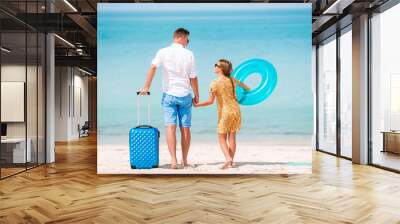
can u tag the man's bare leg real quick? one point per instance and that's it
(185, 144)
(171, 142)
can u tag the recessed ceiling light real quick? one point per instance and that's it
(5, 50)
(64, 40)
(70, 5)
(338, 6)
(84, 71)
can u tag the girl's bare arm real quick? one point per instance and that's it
(241, 84)
(207, 102)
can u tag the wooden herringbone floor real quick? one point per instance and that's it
(70, 191)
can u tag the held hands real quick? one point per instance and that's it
(195, 101)
(205, 103)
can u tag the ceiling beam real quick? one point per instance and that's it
(81, 61)
(86, 27)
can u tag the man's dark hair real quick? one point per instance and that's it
(181, 32)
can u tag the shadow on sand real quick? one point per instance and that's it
(239, 164)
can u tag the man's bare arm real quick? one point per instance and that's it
(195, 86)
(149, 79)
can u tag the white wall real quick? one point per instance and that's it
(33, 127)
(62, 82)
(80, 115)
(12, 73)
(71, 87)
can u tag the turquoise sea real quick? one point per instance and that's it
(129, 35)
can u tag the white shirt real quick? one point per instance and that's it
(178, 66)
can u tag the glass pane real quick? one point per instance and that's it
(41, 98)
(13, 89)
(346, 93)
(327, 96)
(386, 89)
(31, 100)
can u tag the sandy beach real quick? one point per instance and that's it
(206, 158)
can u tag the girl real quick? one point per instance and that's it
(229, 116)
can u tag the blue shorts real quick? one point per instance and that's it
(177, 108)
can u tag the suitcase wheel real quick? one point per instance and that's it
(133, 167)
(155, 166)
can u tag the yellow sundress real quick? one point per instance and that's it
(229, 116)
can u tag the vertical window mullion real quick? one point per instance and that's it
(317, 97)
(37, 90)
(369, 90)
(338, 81)
(26, 86)
(0, 93)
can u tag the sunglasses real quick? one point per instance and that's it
(216, 65)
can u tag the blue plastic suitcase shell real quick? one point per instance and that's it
(144, 147)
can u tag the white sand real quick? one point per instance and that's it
(251, 158)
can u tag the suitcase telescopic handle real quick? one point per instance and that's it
(144, 126)
(148, 126)
(142, 93)
(139, 94)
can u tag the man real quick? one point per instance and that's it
(179, 80)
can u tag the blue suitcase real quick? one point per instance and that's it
(144, 144)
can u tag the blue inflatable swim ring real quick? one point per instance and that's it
(267, 85)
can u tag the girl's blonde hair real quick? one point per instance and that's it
(226, 67)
